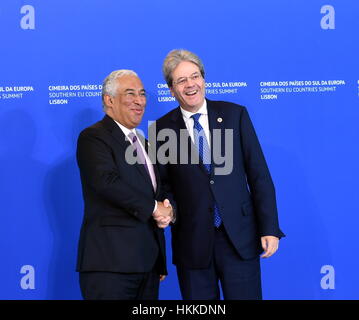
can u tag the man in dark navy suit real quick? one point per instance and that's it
(121, 253)
(226, 213)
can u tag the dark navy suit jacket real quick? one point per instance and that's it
(246, 197)
(118, 233)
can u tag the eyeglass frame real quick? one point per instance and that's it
(183, 80)
(130, 94)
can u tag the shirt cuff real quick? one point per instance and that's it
(173, 220)
(154, 210)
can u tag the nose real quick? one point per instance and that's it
(139, 100)
(190, 82)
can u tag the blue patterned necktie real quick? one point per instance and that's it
(205, 155)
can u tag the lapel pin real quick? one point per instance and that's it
(219, 120)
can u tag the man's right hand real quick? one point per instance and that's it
(163, 214)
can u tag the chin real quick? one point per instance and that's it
(195, 105)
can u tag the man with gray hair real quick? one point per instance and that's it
(223, 220)
(121, 251)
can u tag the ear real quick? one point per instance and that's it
(108, 100)
(171, 90)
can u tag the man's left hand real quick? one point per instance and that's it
(270, 245)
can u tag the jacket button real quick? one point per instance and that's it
(211, 182)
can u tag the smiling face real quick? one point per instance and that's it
(188, 86)
(128, 105)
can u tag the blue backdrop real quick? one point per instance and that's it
(293, 64)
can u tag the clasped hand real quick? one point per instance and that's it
(163, 214)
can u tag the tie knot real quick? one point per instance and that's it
(133, 137)
(196, 116)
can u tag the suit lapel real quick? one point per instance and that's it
(215, 122)
(116, 132)
(177, 118)
(124, 143)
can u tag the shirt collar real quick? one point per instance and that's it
(125, 130)
(202, 110)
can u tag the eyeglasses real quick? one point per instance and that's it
(183, 80)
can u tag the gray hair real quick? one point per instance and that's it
(174, 58)
(110, 84)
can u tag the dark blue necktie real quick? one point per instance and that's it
(205, 154)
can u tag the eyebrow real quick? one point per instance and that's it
(133, 90)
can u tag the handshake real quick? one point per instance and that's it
(163, 215)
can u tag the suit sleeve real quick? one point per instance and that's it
(99, 171)
(259, 179)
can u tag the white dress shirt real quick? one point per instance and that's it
(203, 120)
